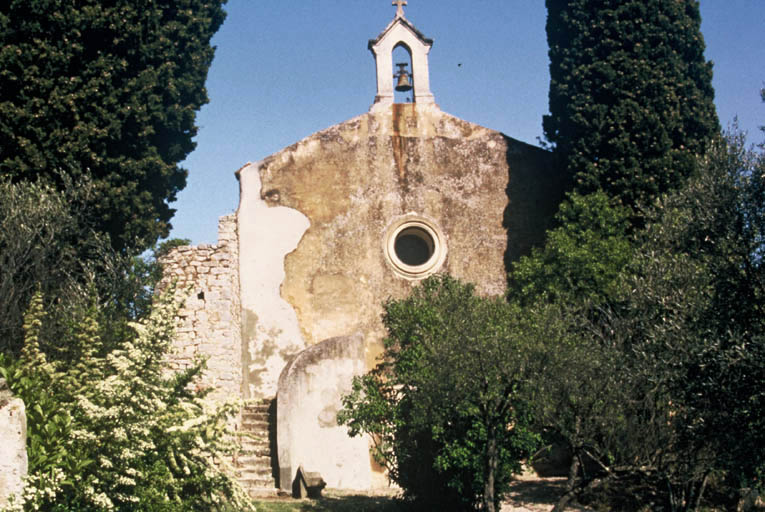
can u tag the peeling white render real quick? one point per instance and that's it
(270, 329)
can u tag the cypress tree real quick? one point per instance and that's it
(106, 90)
(631, 98)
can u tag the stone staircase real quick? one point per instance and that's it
(254, 463)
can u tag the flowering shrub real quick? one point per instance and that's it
(111, 429)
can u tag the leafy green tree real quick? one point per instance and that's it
(611, 389)
(106, 91)
(631, 99)
(46, 243)
(718, 223)
(446, 404)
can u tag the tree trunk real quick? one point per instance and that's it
(492, 457)
(698, 488)
(573, 471)
(563, 501)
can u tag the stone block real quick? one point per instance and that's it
(13, 441)
(307, 484)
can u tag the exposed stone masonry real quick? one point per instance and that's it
(208, 325)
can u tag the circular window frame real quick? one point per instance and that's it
(417, 226)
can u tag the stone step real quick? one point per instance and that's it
(262, 404)
(256, 408)
(257, 451)
(254, 460)
(258, 483)
(254, 426)
(253, 439)
(254, 471)
(243, 474)
(254, 416)
(251, 434)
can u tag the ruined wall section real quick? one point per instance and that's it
(207, 280)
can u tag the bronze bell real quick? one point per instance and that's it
(404, 84)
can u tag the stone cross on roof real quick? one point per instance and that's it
(400, 10)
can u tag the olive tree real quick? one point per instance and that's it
(446, 404)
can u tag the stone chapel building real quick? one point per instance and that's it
(287, 306)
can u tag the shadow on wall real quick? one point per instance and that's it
(535, 188)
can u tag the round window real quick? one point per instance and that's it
(415, 247)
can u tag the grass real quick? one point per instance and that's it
(331, 503)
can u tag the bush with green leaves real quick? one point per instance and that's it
(45, 243)
(717, 224)
(110, 428)
(445, 406)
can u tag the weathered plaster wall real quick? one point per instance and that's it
(354, 179)
(13, 442)
(313, 220)
(310, 392)
(299, 276)
(207, 280)
(270, 330)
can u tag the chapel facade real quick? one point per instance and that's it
(287, 306)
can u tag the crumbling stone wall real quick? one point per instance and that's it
(207, 279)
(13, 444)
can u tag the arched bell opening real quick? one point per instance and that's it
(403, 78)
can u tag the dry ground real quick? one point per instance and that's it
(530, 493)
(527, 494)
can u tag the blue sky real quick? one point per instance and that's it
(285, 69)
